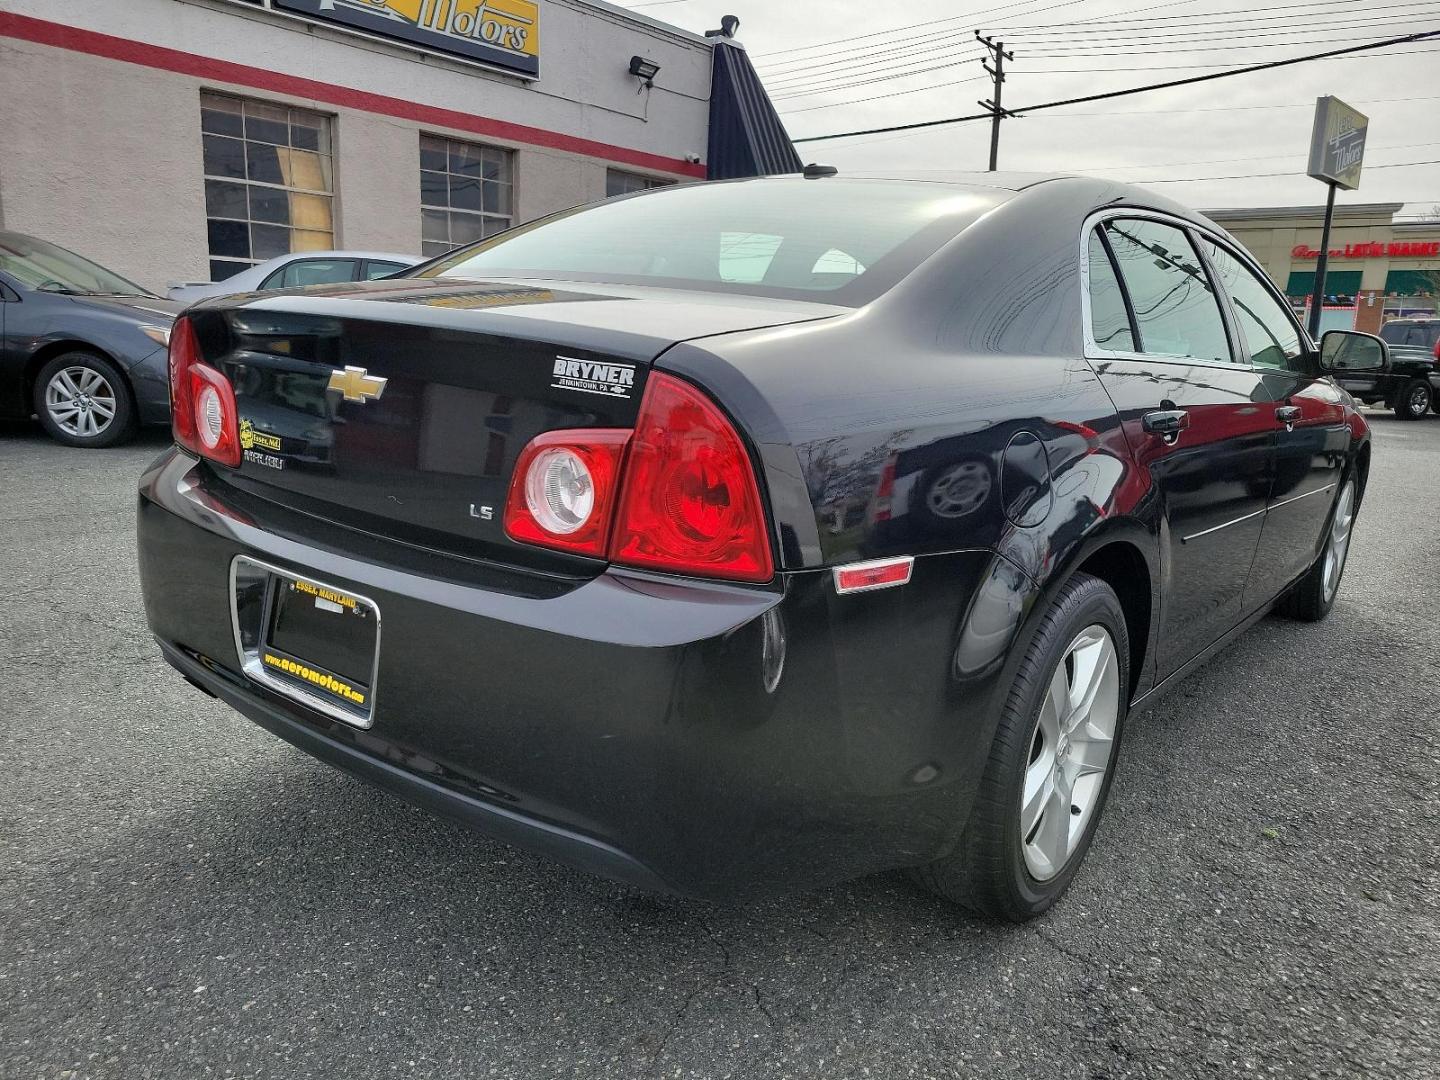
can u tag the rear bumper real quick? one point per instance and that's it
(579, 851)
(621, 724)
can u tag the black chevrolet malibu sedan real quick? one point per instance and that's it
(756, 535)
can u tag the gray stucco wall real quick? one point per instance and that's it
(104, 156)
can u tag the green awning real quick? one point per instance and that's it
(1412, 283)
(1337, 283)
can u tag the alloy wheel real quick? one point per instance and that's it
(81, 401)
(1070, 752)
(1337, 545)
(1419, 400)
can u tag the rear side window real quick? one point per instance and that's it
(1270, 334)
(1176, 310)
(1422, 334)
(1109, 320)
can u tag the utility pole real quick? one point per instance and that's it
(997, 78)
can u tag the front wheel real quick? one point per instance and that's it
(83, 400)
(1414, 400)
(1051, 763)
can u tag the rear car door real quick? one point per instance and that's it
(1312, 436)
(1157, 336)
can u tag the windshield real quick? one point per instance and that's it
(45, 267)
(841, 241)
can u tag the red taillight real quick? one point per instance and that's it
(202, 401)
(689, 502)
(564, 487)
(676, 494)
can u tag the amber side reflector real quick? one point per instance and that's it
(879, 574)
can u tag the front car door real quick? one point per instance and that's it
(1312, 433)
(1157, 335)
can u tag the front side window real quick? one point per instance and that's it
(268, 189)
(623, 183)
(376, 268)
(1176, 310)
(1270, 334)
(466, 193)
(311, 272)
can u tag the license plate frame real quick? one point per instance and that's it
(254, 587)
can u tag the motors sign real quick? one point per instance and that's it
(504, 33)
(1337, 143)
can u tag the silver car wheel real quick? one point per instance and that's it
(81, 401)
(1070, 752)
(1337, 544)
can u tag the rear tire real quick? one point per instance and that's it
(82, 399)
(1013, 860)
(1414, 400)
(1312, 597)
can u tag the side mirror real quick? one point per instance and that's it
(1350, 350)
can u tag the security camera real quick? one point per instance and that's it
(693, 159)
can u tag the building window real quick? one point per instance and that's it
(466, 193)
(267, 181)
(623, 183)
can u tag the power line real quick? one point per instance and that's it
(1235, 33)
(1257, 176)
(1250, 26)
(837, 75)
(947, 19)
(1187, 67)
(1101, 22)
(866, 70)
(877, 78)
(1363, 47)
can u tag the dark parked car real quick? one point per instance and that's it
(1410, 381)
(607, 554)
(80, 347)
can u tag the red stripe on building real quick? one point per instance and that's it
(93, 43)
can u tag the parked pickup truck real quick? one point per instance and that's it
(1410, 381)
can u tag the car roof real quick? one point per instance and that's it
(388, 256)
(1097, 191)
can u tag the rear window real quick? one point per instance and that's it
(1422, 334)
(832, 239)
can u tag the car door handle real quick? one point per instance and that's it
(1167, 423)
(1288, 414)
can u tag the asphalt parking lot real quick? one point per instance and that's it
(183, 895)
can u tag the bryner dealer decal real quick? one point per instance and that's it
(592, 377)
(505, 33)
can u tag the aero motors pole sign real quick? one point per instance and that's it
(505, 33)
(1337, 143)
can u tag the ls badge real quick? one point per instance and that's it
(356, 384)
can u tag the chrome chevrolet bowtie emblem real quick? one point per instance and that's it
(355, 384)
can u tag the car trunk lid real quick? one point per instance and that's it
(400, 407)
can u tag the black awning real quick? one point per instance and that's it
(746, 135)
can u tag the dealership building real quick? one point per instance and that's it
(183, 140)
(1378, 267)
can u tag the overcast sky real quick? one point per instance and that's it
(817, 68)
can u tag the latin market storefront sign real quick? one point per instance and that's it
(1375, 249)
